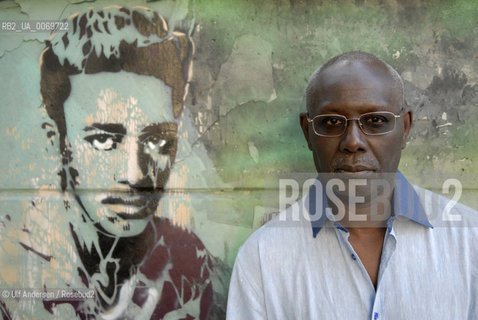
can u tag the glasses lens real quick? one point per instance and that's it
(330, 125)
(377, 122)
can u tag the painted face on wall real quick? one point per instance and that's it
(123, 138)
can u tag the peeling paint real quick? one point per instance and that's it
(238, 125)
(233, 86)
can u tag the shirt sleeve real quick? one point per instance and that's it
(246, 297)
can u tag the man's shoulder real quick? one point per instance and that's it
(443, 211)
(282, 230)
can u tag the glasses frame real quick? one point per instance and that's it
(353, 119)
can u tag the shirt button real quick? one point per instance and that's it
(354, 256)
(375, 316)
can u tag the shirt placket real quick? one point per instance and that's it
(389, 246)
(359, 273)
(376, 296)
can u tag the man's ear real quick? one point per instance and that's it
(407, 125)
(304, 123)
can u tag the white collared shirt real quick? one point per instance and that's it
(428, 268)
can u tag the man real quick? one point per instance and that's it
(115, 85)
(363, 243)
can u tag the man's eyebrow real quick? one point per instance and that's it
(108, 127)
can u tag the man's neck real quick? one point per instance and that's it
(362, 216)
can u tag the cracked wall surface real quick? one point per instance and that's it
(250, 63)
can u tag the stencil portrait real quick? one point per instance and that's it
(114, 87)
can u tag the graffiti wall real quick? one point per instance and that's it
(138, 139)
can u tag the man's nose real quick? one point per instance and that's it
(353, 139)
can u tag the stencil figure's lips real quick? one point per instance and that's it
(135, 201)
(133, 206)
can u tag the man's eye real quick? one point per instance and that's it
(333, 121)
(375, 120)
(102, 141)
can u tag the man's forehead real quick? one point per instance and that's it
(354, 72)
(347, 81)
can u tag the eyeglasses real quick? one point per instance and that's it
(371, 123)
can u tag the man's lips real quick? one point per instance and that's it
(354, 169)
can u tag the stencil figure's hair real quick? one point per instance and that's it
(111, 40)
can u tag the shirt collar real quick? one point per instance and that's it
(405, 201)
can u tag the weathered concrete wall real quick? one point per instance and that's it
(239, 127)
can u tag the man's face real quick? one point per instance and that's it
(123, 138)
(352, 89)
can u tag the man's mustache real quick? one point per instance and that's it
(362, 163)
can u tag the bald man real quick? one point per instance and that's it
(363, 243)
